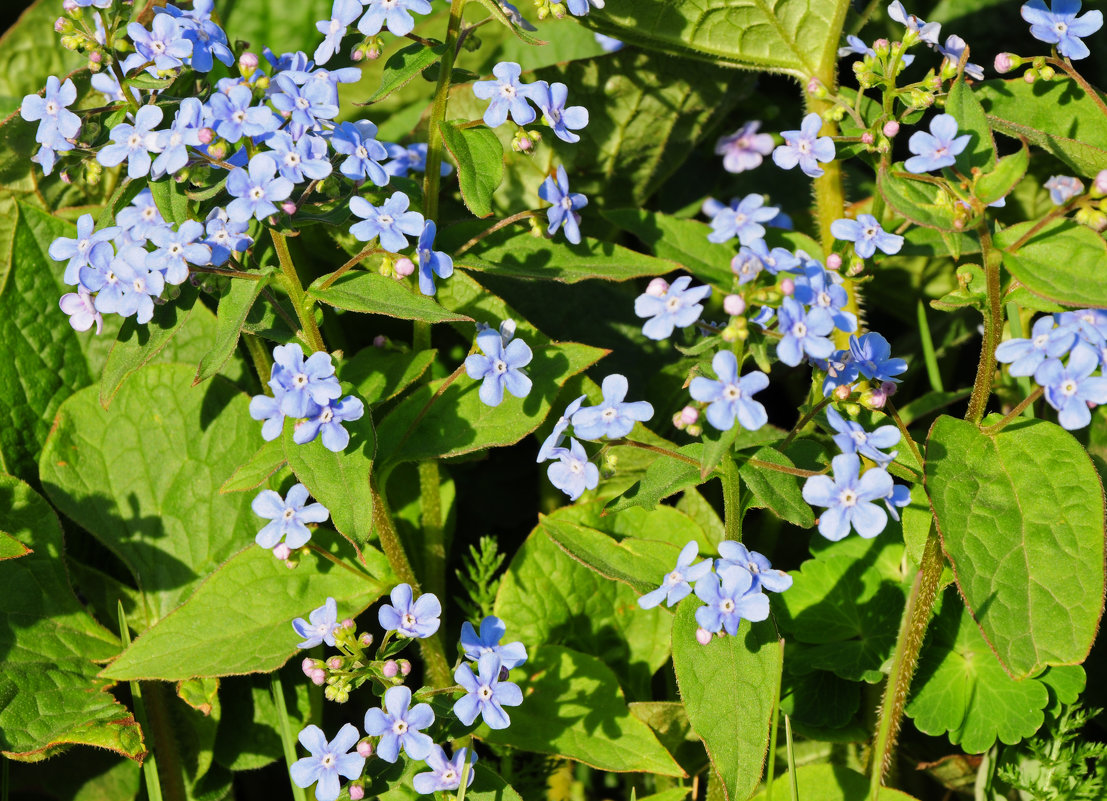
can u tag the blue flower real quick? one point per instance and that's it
(233, 114)
(745, 148)
(852, 438)
(328, 761)
(56, 123)
(390, 221)
(101, 275)
(303, 383)
(608, 44)
(1063, 188)
(1071, 388)
(263, 407)
(357, 140)
(410, 158)
(305, 105)
(1046, 340)
(320, 626)
(184, 133)
(177, 249)
(899, 497)
(81, 308)
(735, 554)
(551, 99)
(677, 584)
(936, 149)
(953, 50)
(840, 371)
(485, 694)
(77, 252)
(613, 418)
(445, 774)
(822, 289)
(431, 262)
(805, 332)
(225, 237)
(849, 498)
(299, 160)
(395, 15)
(492, 630)
(327, 420)
(805, 147)
(287, 517)
(500, 367)
(418, 619)
(399, 727)
(754, 258)
(343, 13)
(867, 235)
(730, 597)
(679, 307)
(507, 95)
(926, 31)
(565, 205)
(731, 397)
(553, 441)
(1060, 26)
(742, 219)
(572, 473)
(141, 218)
(256, 189)
(133, 143)
(164, 44)
(872, 355)
(209, 41)
(130, 287)
(1089, 324)
(580, 8)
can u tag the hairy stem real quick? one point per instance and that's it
(1011, 415)
(304, 310)
(432, 177)
(732, 500)
(434, 541)
(263, 363)
(993, 324)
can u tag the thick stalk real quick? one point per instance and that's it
(732, 500)
(305, 311)
(432, 177)
(993, 325)
(916, 618)
(434, 540)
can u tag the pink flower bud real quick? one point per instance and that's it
(404, 267)
(335, 663)
(891, 128)
(318, 677)
(365, 748)
(678, 421)
(247, 63)
(867, 138)
(282, 551)
(842, 392)
(357, 792)
(348, 623)
(881, 44)
(833, 261)
(524, 144)
(59, 24)
(65, 177)
(703, 636)
(366, 639)
(1100, 183)
(357, 54)
(734, 305)
(788, 286)
(69, 5)
(658, 287)
(308, 665)
(205, 135)
(888, 388)
(390, 669)
(379, 341)
(405, 667)
(689, 415)
(289, 207)
(1003, 63)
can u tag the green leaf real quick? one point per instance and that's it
(682, 241)
(372, 293)
(234, 306)
(202, 694)
(998, 183)
(1062, 261)
(262, 597)
(275, 24)
(249, 737)
(716, 445)
(573, 707)
(820, 699)
(524, 255)
(498, 13)
(28, 56)
(339, 481)
(11, 548)
(779, 492)
(966, 109)
(447, 418)
(380, 375)
(143, 476)
(665, 476)
(51, 694)
(794, 37)
(256, 470)
(918, 201)
(480, 163)
(1029, 111)
(827, 782)
(403, 65)
(1021, 518)
(729, 673)
(170, 200)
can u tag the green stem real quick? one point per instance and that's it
(150, 763)
(931, 358)
(305, 311)
(1070, 70)
(506, 221)
(916, 618)
(732, 500)
(432, 177)
(993, 323)
(263, 363)
(770, 767)
(434, 541)
(224, 271)
(807, 418)
(288, 741)
(791, 758)
(1011, 415)
(464, 786)
(893, 412)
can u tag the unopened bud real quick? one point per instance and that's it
(1005, 62)
(842, 392)
(348, 623)
(335, 663)
(218, 149)
(882, 46)
(288, 207)
(678, 421)
(694, 430)
(262, 82)
(380, 341)
(205, 135)
(1099, 185)
(891, 128)
(815, 88)
(390, 669)
(71, 42)
(282, 551)
(365, 748)
(308, 666)
(833, 261)
(1097, 221)
(867, 138)
(247, 63)
(788, 286)
(405, 667)
(387, 267)
(888, 388)
(703, 636)
(1030, 75)
(357, 792)
(65, 177)
(856, 265)
(357, 54)
(689, 415)
(366, 639)
(1047, 73)
(318, 677)
(404, 267)
(61, 24)
(658, 287)
(734, 305)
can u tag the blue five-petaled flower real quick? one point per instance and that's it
(729, 596)
(731, 397)
(1060, 26)
(418, 619)
(936, 149)
(573, 473)
(320, 626)
(850, 498)
(679, 307)
(508, 95)
(805, 147)
(867, 235)
(678, 582)
(399, 725)
(431, 262)
(500, 367)
(563, 212)
(492, 630)
(613, 418)
(733, 553)
(485, 694)
(328, 761)
(1071, 388)
(287, 517)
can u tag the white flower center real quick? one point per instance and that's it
(823, 299)
(485, 692)
(499, 366)
(848, 498)
(507, 90)
(726, 606)
(860, 437)
(399, 727)
(239, 116)
(608, 415)
(300, 380)
(674, 578)
(51, 108)
(288, 514)
(1068, 387)
(362, 152)
(326, 416)
(1041, 340)
(732, 392)
(673, 304)
(408, 620)
(386, 219)
(302, 102)
(175, 249)
(803, 146)
(292, 158)
(799, 330)
(257, 193)
(134, 141)
(328, 760)
(1060, 27)
(139, 285)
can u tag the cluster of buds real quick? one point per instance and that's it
(525, 141)
(547, 9)
(687, 419)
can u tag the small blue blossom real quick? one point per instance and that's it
(177, 249)
(730, 598)
(81, 308)
(256, 189)
(328, 761)
(288, 517)
(899, 497)
(764, 316)
(805, 147)
(299, 160)
(395, 15)
(926, 31)
(609, 44)
(209, 41)
(304, 105)
(873, 356)
(1060, 26)
(1063, 188)
(134, 283)
(500, 367)
(867, 236)
(744, 149)
(164, 44)
(1046, 341)
(389, 222)
(326, 422)
(1071, 388)
(225, 237)
(613, 418)
(1089, 324)
(101, 275)
(357, 141)
(851, 437)
(572, 473)
(752, 259)
(77, 252)
(805, 331)
(855, 46)
(742, 219)
(822, 289)
(431, 262)
(320, 626)
(343, 14)
(141, 218)
(953, 50)
(735, 554)
(233, 115)
(301, 382)
(849, 498)
(56, 123)
(264, 407)
(550, 99)
(553, 441)
(445, 774)
(840, 370)
(399, 726)
(563, 211)
(731, 397)
(184, 133)
(679, 307)
(507, 94)
(936, 149)
(133, 143)
(492, 630)
(405, 159)
(485, 694)
(580, 8)
(408, 618)
(677, 584)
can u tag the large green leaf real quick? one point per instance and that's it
(372, 293)
(275, 24)
(795, 37)
(379, 374)
(573, 707)
(966, 109)
(683, 241)
(143, 477)
(480, 163)
(1021, 518)
(1063, 261)
(665, 476)
(729, 689)
(403, 65)
(234, 307)
(48, 641)
(772, 489)
(262, 597)
(827, 782)
(918, 201)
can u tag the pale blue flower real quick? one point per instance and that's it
(730, 598)
(485, 694)
(613, 418)
(678, 582)
(288, 517)
(320, 626)
(499, 367)
(399, 726)
(328, 761)
(417, 619)
(850, 498)
(731, 397)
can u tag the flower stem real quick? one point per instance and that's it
(993, 323)
(288, 741)
(304, 310)
(432, 177)
(506, 221)
(1011, 415)
(263, 363)
(732, 500)
(814, 410)
(434, 540)
(893, 412)
(150, 763)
